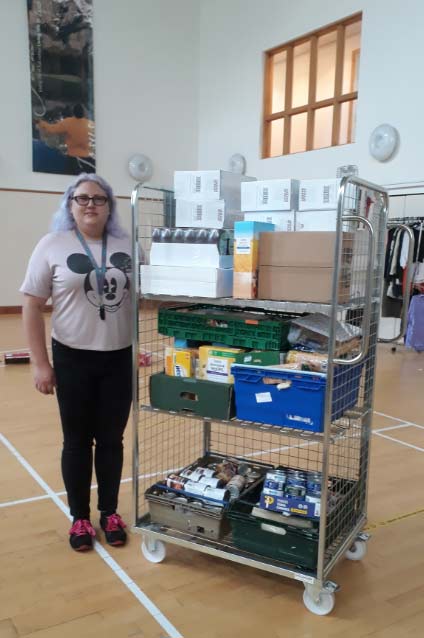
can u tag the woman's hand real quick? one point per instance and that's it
(44, 378)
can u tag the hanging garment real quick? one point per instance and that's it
(415, 330)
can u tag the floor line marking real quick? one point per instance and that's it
(31, 499)
(395, 418)
(389, 438)
(396, 519)
(101, 551)
(392, 427)
(421, 427)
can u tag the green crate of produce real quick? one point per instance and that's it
(232, 327)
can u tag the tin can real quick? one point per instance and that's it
(268, 491)
(295, 484)
(198, 473)
(313, 483)
(277, 475)
(212, 481)
(176, 482)
(296, 477)
(274, 485)
(296, 491)
(235, 486)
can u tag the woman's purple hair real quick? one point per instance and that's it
(63, 218)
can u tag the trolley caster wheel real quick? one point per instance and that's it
(323, 606)
(153, 550)
(357, 551)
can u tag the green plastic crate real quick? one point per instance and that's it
(284, 542)
(232, 327)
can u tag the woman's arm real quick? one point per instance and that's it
(32, 313)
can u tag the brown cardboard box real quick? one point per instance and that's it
(310, 249)
(300, 284)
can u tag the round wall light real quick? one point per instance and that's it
(140, 167)
(383, 142)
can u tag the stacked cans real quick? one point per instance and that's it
(223, 481)
(293, 483)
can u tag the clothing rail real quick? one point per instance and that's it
(404, 220)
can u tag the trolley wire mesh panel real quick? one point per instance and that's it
(167, 442)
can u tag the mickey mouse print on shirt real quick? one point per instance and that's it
(116, 282)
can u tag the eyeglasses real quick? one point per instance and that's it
(83, 200)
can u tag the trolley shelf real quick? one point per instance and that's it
(352, 419)
(222, 549)
(293, 307)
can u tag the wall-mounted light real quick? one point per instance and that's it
(383, 142)
(140, 167)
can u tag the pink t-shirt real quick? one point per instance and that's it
(59, 268)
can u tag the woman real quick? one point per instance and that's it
(84, 265)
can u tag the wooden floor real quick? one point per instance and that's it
(49, 591)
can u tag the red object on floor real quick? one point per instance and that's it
(145, 359)
(17, 357)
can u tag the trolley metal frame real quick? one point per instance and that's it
(164, 441)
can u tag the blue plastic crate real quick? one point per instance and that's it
(297, 400)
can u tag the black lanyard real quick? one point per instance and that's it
(100, 271)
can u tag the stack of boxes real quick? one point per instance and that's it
(196, 259)
(273, 201)
(317, 210)
(215, 207)
(300, 267)
(267, 205)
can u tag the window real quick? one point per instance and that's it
(311, 90)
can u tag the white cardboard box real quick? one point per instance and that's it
(316, 220)
(270, 195)
(205, 214)
(210, 185)
(189, 255)
(282, 220)
(318, 194)
(186, 281)
(322, 194)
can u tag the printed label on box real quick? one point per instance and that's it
(217, 369)
(263, 397)
(243, 246)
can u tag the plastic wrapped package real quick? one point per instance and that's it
(311, 334)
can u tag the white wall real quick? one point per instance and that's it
(145, 92)
(234, 36)
(181, 81)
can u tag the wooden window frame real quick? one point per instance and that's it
(312, 104)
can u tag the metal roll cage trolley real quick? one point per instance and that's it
(167, 441)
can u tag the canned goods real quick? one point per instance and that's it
(277, 475)
(274, 485)
(313, 483)
(196, 474)
(297, 491)
(296, 477)
(270, 492)
(176, 482)
(211, 481)
(235, 486)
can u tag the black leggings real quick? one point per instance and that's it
(94, 396)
